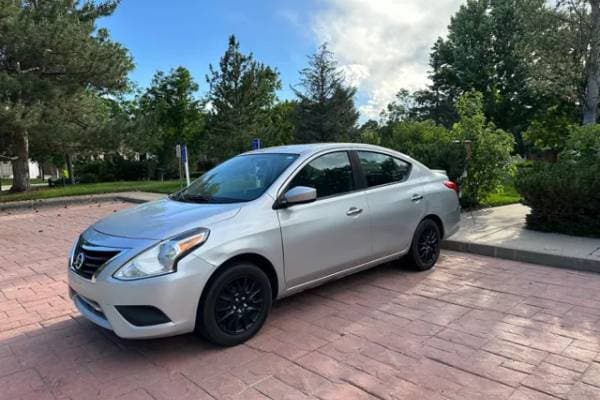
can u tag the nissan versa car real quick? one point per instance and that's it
(213, 257)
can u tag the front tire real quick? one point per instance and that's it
(235, 305)
(425, 247)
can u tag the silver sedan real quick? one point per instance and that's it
(213, 257)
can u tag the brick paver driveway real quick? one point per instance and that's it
(474, 328)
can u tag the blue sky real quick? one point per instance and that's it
(163, 35)
(381, 45)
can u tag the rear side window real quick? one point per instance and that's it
(330, 174)
(381, 169)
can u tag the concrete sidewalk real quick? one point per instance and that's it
(500, 232)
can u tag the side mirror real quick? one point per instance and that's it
(297, 195)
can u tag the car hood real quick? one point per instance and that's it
(162, 219)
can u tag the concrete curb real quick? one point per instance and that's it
(550, 260)
(129, 197)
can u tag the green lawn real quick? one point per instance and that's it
(43, 192)
(508, 195)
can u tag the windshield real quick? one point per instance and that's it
(239, 179)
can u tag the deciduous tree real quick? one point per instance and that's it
(483, 52)
(169, 113)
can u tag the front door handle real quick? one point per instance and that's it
(416, 197)
(353, 211)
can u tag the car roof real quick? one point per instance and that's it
(310, 148)
(306, 150)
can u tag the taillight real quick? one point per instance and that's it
(451, 185)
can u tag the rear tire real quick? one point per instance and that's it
(235, 306)
(425, 247)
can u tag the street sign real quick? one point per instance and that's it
(183, 151)
(178, 151)
(255, 143)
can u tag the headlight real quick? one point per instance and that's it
(162, 258)
(72, 251)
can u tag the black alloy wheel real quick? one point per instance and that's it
(428, 244)
(425, 247)
(239, 305)
(235, 305)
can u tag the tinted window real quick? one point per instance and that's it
(329, 174)
(381, 169)
(239, 179)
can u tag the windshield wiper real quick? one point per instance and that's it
(190, 198)
(196, 198)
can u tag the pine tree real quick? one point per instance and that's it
(325, 111)
(50, 52)
(241, 94)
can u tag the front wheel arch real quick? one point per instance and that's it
(260, 261)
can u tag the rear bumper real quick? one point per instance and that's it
(175, 296)
(451, 222)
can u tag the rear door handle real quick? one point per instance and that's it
(353, 211)
(416, 197)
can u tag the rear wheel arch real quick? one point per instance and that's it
(438, 222)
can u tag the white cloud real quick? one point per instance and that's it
(383, 45)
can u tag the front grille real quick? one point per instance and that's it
(87, 261)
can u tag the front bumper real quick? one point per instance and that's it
(176, 295)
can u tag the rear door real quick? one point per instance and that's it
(395, 201)
(331, 233)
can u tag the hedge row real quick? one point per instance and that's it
(115, 169)
(120, 169)
(564, 196)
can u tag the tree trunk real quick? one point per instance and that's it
(20, 166)
(590, 106)
(70, 168)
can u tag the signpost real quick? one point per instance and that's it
(255, 143)
(184, 159)
(182, 156)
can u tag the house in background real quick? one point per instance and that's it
(6, 169)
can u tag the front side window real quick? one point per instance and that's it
(239, 179)
(381, 169)
(330, 174)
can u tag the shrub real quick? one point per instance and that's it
(88, 178)
(564, 196)
(583, 142)
(429, 143)
(115, 169)
(491, 148)
(550, 130)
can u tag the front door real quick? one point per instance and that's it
(331, 233)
